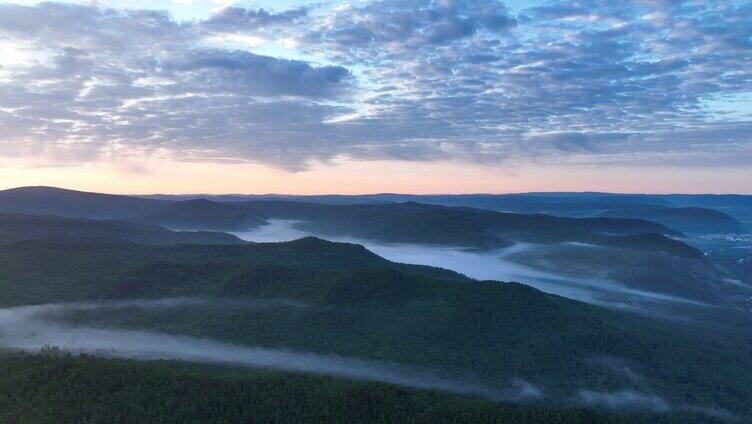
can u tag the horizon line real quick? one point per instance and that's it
(386, 193)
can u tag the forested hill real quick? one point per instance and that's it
(94, 269)
(193, 214)
(203, 214)
(75, 204)
(411, 222)
(61, 389)
(676, 268)
(340, 299)
(689, 220)
(638, 254)
(567, 204)
(14, 227)
(407, 222)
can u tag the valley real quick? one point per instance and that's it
(545, 312)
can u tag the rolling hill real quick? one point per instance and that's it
(193, 214)
(567, 204)
(339, 299)
(14, 227)
(74, 204)
(624, 243)
(407, 222)
(203, 214)
(412, 222)
(687, 220)
(117, 391)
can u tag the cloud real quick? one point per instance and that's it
(408, 24)
(591, 82)
(382, 29)
(593, 73)
(244, 72)
(578, 141)
(238, 18)
(107, 81)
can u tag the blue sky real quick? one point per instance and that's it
(300, 86)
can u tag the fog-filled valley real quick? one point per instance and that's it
(375, 211)
(563, 268)
(510, 316)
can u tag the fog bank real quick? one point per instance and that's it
(631, 399)
(486, 265)
(166, 303)
(29, 328)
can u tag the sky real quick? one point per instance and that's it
(421, 96)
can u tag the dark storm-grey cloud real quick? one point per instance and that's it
(590, 82)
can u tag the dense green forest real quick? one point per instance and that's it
(203, 214)
(681, 270)
(14, 227)
(357, 304)
(688, 363)
(407, 222)
(675, 267)
(82, 389)
(688, 220)
(411, 222)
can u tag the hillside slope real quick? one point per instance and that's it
(411, 222)
(340, 299)
(679, 270)
(203, 214)
(14, 227)
(687, 220)
(198, 214)
(113, 391)
(74, 204)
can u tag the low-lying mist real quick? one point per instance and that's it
(486, 265)
(30, 328)
(54, 309)
(629, 399)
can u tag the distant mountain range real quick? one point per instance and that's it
(564, 245)
(712, 213)
(15, 227)
(190, 214)
(98, 273)
(685, 213)
(75, 204)
(686, 219)
(411, 222)
(408, 221)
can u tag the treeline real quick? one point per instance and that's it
(81, 389)
(360, 305)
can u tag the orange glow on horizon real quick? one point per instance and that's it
(353, 177)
